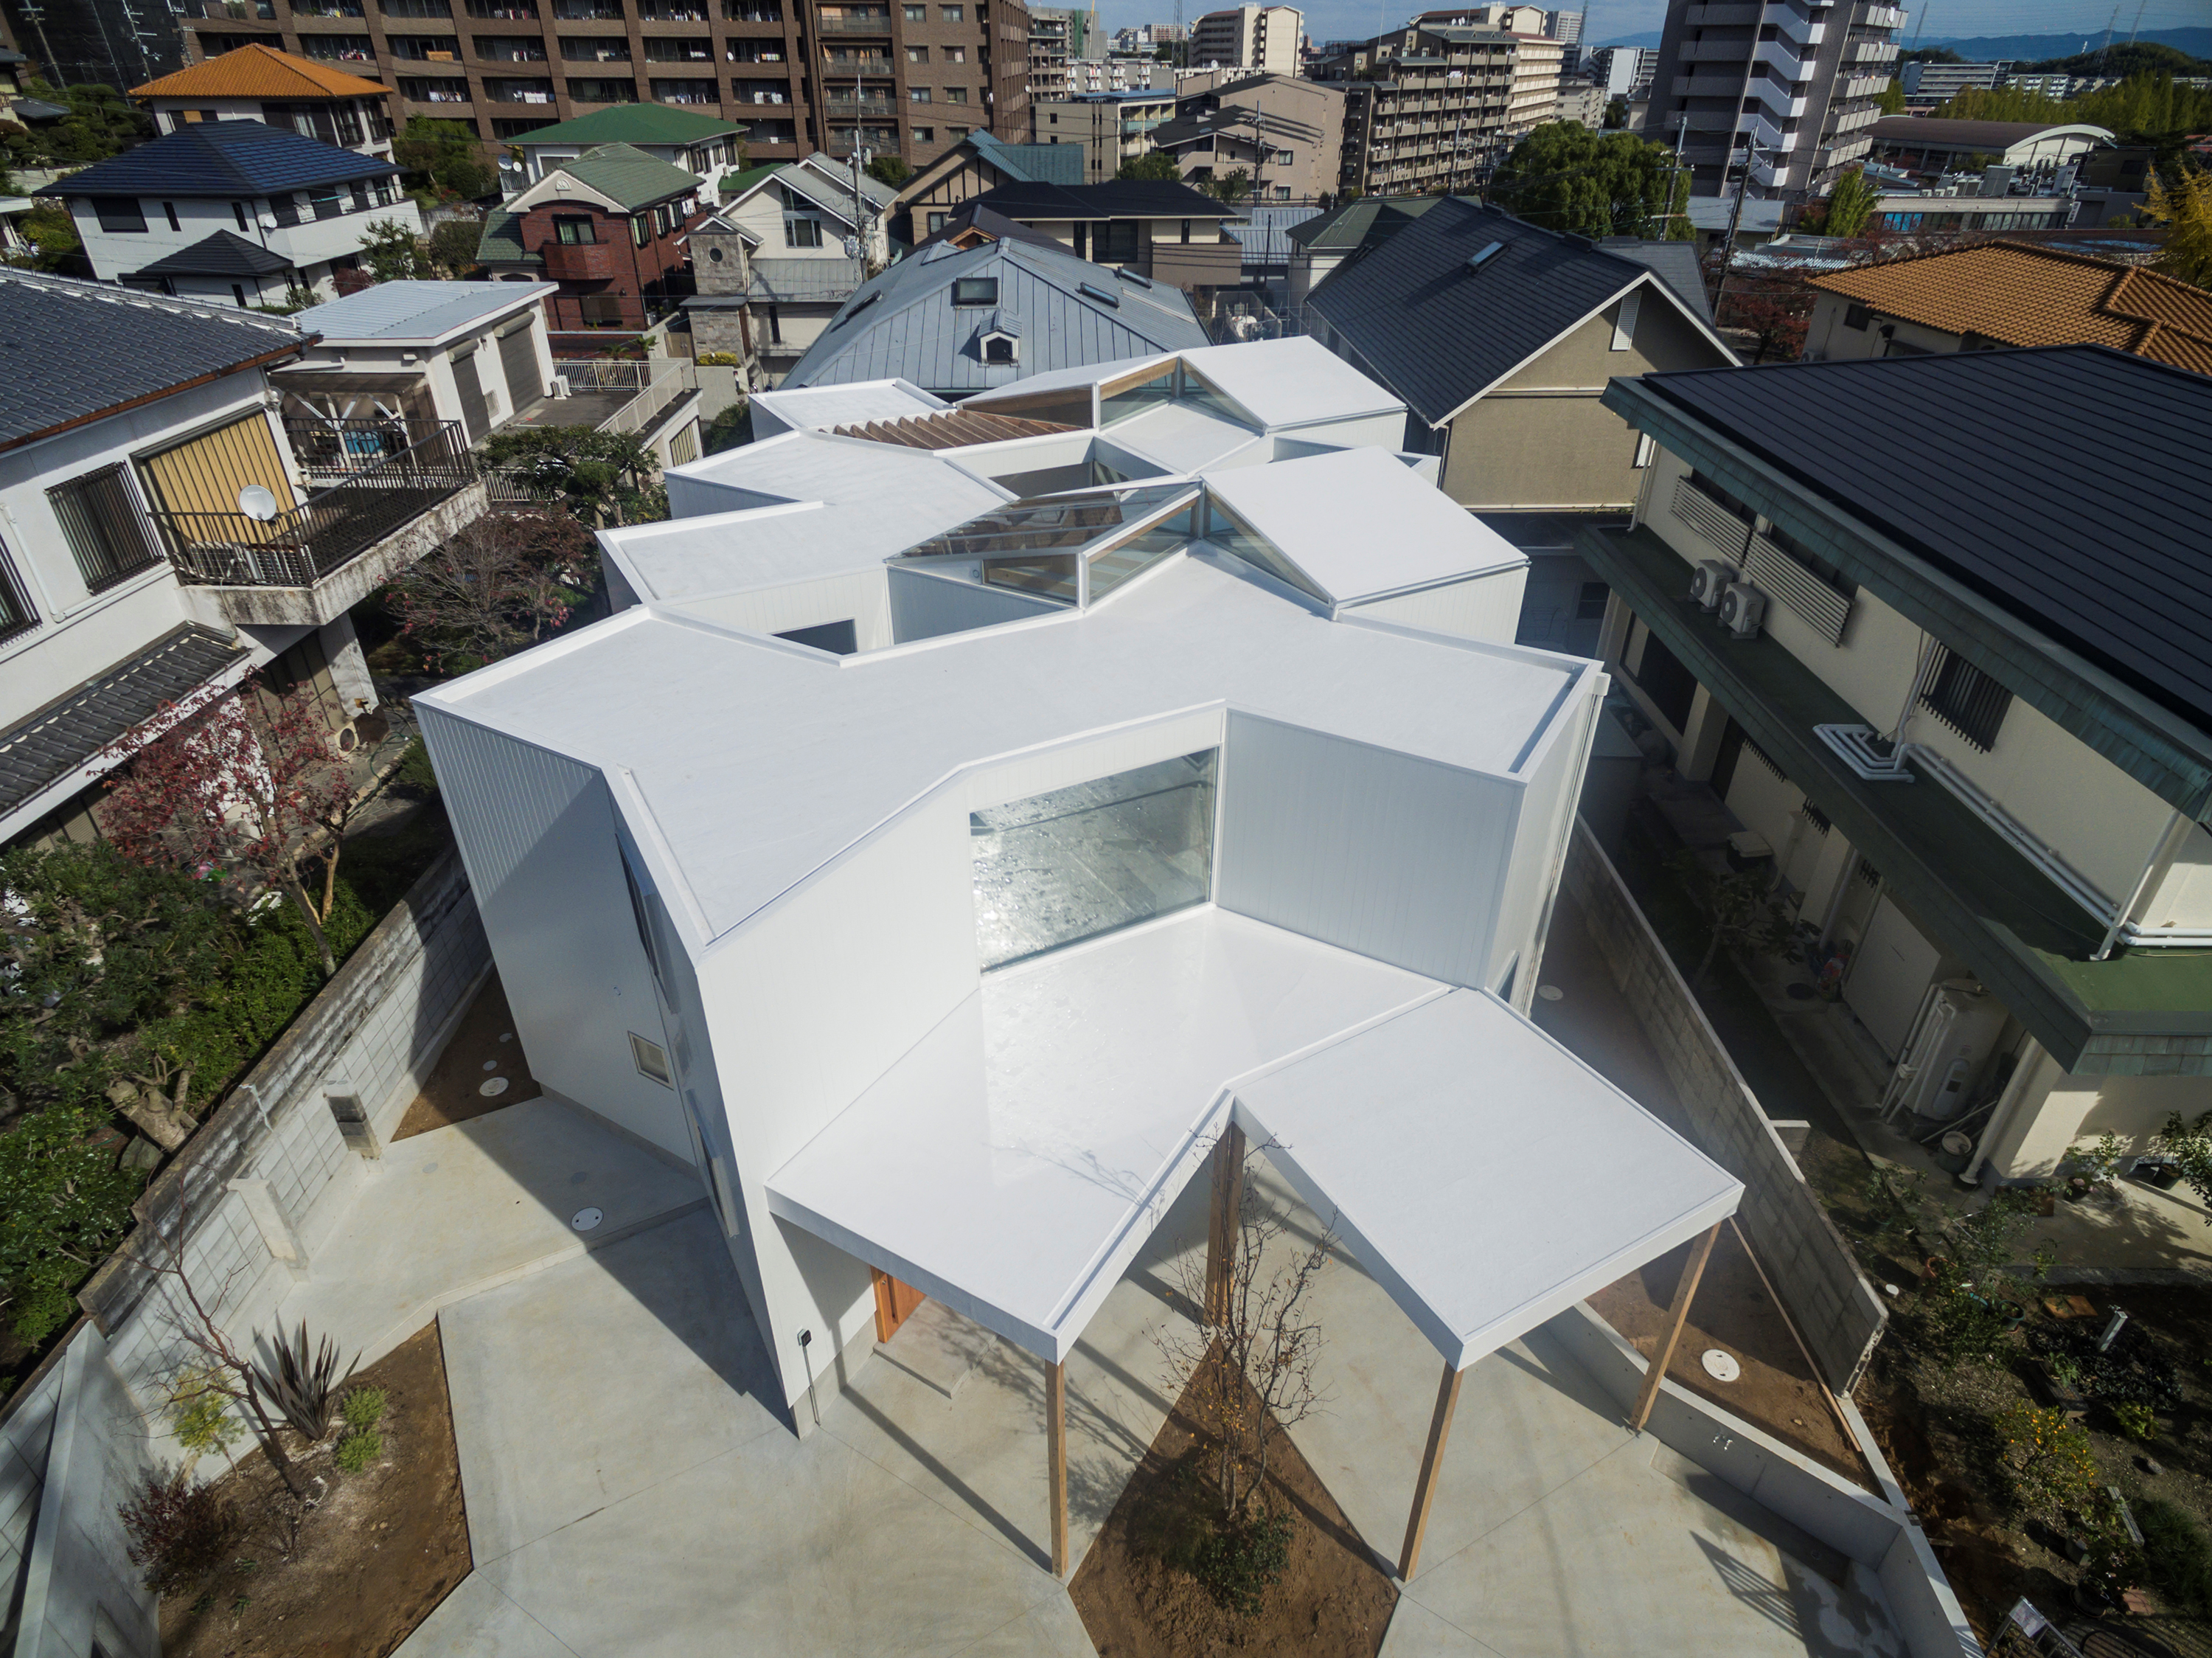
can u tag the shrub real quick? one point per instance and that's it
(2177, 1553)
(178, 1531)
(414, 771)
(199, 1415)
(2136, 1421)
(1238, 1564)
(362, 1408)
(358, 1449)
(2045, 1458)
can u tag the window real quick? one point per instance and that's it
(951, 13)
(600, 310)
(916, 13)
(955, 134)
(169, 210)
(17, 615)
(238, 212)
(917, 54)
(1091, 859)
(105, 530)
(640, 914)
(685, 446)
(640, 231)
(1232, 535)
(956, 95)
(927, 135)
(917, 94)
(1966, 699)
(574, 232)
(936, 220)
(956, 54)
(975, 290)
(119, 214)
(800, 229)
(1589, 603)
(651, 1059)
(1857, 316)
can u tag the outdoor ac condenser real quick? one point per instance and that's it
(1743, 607)
(1709, 581)
(1950, 1044)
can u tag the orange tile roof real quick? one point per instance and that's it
(2026, 295)
(259, 71)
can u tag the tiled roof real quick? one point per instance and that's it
(950, 428)
(38, 753)
(2023, 295)
(628, 175)
(78, 349)
(225, 253)
(259, 71)
(222, 158)
(632, 124)
(502, 242)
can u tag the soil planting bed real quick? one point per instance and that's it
(1333, 1601)
(455, 1093)
(367, 1565)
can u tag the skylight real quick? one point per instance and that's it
(1485, 255)
(975, 290)
(857, 309)
(1075, 547)
(1093, 291)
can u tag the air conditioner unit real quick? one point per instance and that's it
(1709, 581)
(1743, 607)
(560, 385)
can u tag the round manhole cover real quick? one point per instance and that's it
(1721, 1367)
(491, 1064)
(1550, 992)
(585, 1219)
(492, 1085)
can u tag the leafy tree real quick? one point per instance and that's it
(594, 474)
(891, 170)
(1930, 55)
(392, 252)
(1851, 204)
(453, 245)
(1742, 915)
(503, 584)
(1233, 188)
(53, 235)
(1616, 115)
(99, 124)
(2124, 58)
(1566, 177)
(447, 156)
(1891, 98)
(730, 428)
(2185, 205)
(1154, 166)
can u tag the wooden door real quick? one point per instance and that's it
(895, 1303)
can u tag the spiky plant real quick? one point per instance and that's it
(300, 1386)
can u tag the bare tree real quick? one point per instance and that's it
(499, 585)
(1246, 1367)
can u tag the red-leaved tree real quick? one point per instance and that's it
(245, 785)
(501, 583)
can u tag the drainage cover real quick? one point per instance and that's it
(1721, 1367)
(491, 1064)
(492, 1085)
(1550, 992)
(585, 1219)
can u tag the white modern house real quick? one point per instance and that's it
(970, 814)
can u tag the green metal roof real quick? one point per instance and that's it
(633, 124)
(502, 243)
(735, 185)
(628, 175)
(1355, 223)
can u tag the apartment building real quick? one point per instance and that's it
(913, 76)
(1624, 72)
(1785, 91)
(259, 83)
(1284, 136)
(1057, 37)
(1263, 38)
(1926, 85)
(1425, 107)
(1112, 127)
(1969, 725)
(1540, 57)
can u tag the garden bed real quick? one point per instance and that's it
(1138, 1599)
(368, 1565)
(484, 1040)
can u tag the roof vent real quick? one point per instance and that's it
(1477, 261)
(1092, 291)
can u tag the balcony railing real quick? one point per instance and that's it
(231, 11)
(658, 381)
(880, 24)
(330, 451)
(299, 548)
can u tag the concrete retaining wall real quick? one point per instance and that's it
(1880, 1536)
(1813, 1271)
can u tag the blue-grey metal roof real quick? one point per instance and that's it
(788, 280)
(1439, 334)
(225, 253)
(1267, 233)
(414, 310)
(1674, 263)
(1032, 163)
(2067, 484)
(75, 348)
(910, 329)
(222, 158)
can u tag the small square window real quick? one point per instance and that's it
(917, 94)
(119, 214)
(917, 54)
(927, 135)
(917, 14)
(574, 232)
(956, 54)
(956, 95)
(1857, 317)
(651, 1060)
(953, 13)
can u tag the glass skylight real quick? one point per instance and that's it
(1036, 544)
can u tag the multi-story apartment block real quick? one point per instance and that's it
(1048, 53)
(260, 83)
(1786, 89)
(1970, 727)
(1264, 37)
(1424, 107)
(913, 77)
(1118, 75)
(1624, 72)
(1284, 136)
(1566, 27)
(1113, 128)
(1926, 85)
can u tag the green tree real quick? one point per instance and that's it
(392, 253)
(445, 156)
(53, 236)
(891, 170)
(1234, 188)
(1892, 98)
(454, 246)
(2185, 206)
(1851, 204)
(1155, 166)
(596, 475)
(1616, 115)
(1566, 177)
(99, 124)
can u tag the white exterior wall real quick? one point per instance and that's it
(313, 242)
(862, 598)
(170, 113)
(436, 366)
(1481, 607)
(2057, 1110)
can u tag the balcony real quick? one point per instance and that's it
(607, 397)
(388, 504)
(880, 109)
(877, 24)
(232, 11)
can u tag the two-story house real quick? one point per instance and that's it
(161, 537)
(608, 229)
(258, 83)
(699, 143)
(1283, 135)
(1166, 232)
(1971, 720)
(230, 210)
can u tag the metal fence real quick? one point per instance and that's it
(297, 549)
(333, 450)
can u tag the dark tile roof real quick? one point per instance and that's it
(1117, 199)
(38, 753)
(222, 158)
(1369, 218)
(1439, 335)
(2066, 485)
(71, 349)
(972, 215)
(225, 253)
(1674, 263)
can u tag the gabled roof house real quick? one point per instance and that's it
(706, 145)
(258, 83)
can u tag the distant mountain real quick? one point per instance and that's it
(2034, 48)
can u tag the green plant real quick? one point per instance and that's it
(199, 1413)
(299, 1384)
(1742, 915)
(1566, 177)
(1154, 166)
(362, 1407)
(176, 1530)
(1238, 1563)
(391, 252)
(2177, 1554)
(2065, 1370)
(414, 771)
(2047, 1462)
(2099, 1163)
(1966, 1311)
(891, 170)
(2136, 1421)
(358, 1449)
(454, 246)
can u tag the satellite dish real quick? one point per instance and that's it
(256, 502)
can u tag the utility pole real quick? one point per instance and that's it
(1735, 217)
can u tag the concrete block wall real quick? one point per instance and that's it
(1813, 1271)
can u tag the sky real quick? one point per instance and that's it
(1335, 20)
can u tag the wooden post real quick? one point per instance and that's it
(1222, 1221)
(1425, 1488)
(1055, 1428)
(1678, 1315)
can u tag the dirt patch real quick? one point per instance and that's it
(1333, 1601)
(1732, 1313)
(368, 1565)
(484, 1045)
